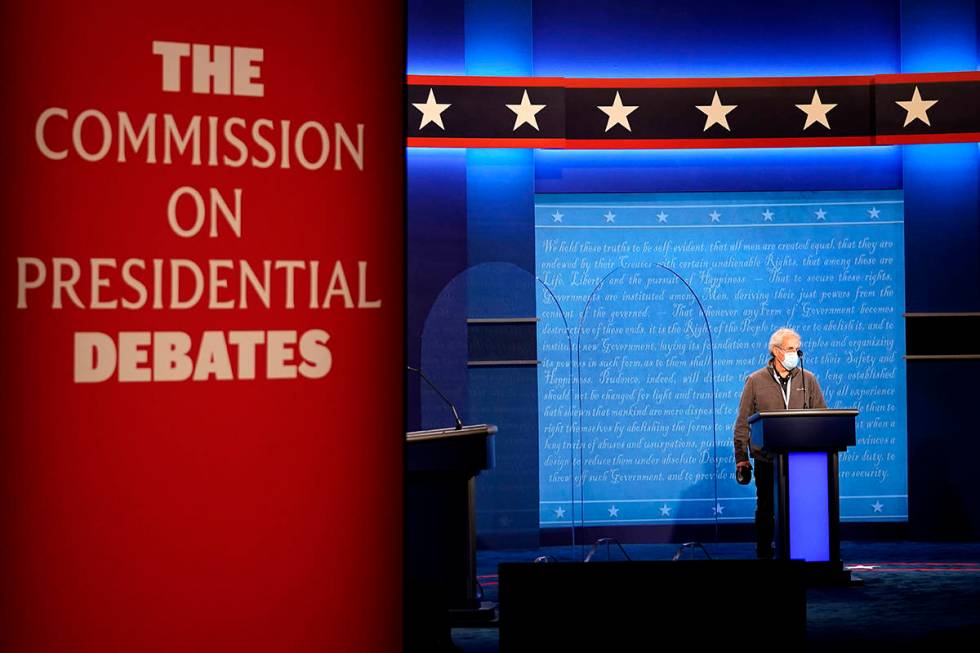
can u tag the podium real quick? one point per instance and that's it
(806, 444)
(440, 531)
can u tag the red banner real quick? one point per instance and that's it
(201, 278)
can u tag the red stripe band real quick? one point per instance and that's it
(448, 80)
(718, 82)
(544, 143)
(912, 139)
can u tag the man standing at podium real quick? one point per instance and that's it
(780, 385)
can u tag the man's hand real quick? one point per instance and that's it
(743, 472)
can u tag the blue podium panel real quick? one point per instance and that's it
(809, 512)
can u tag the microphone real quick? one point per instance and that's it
(459, 422)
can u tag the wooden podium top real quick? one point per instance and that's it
(815, 429)
(798, 412)
(461, 451)
(451, 432)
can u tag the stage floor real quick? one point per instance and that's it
(913, 593)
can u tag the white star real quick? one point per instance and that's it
(767, 215)
(556, 216)
(661, 217)
(916, 108)
(717, 113)
(718, 509)
(431, 111)
(617, 113)
(873, 212)
(877, 505)
(715, 216)
(665, 510)
(526, 112)
(816, 111)
(614, 512)
(821, 214)
(610, 216)
(559, 512)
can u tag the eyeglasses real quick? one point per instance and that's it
(788, 350)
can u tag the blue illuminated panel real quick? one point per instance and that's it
(809, 507)
(435, 38)
(498, 37)
(737, 169)
(625, 38)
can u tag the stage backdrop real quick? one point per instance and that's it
(201, 285)
(631, 417)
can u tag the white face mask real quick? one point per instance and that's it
(790, 360)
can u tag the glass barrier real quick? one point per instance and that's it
(442, 357)
(650, 440)
(480, 345)
(558, 427)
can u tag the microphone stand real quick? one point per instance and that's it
(799, 352)
(459, 422)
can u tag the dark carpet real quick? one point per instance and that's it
(914, 596)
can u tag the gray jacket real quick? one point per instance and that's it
(763, 392)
